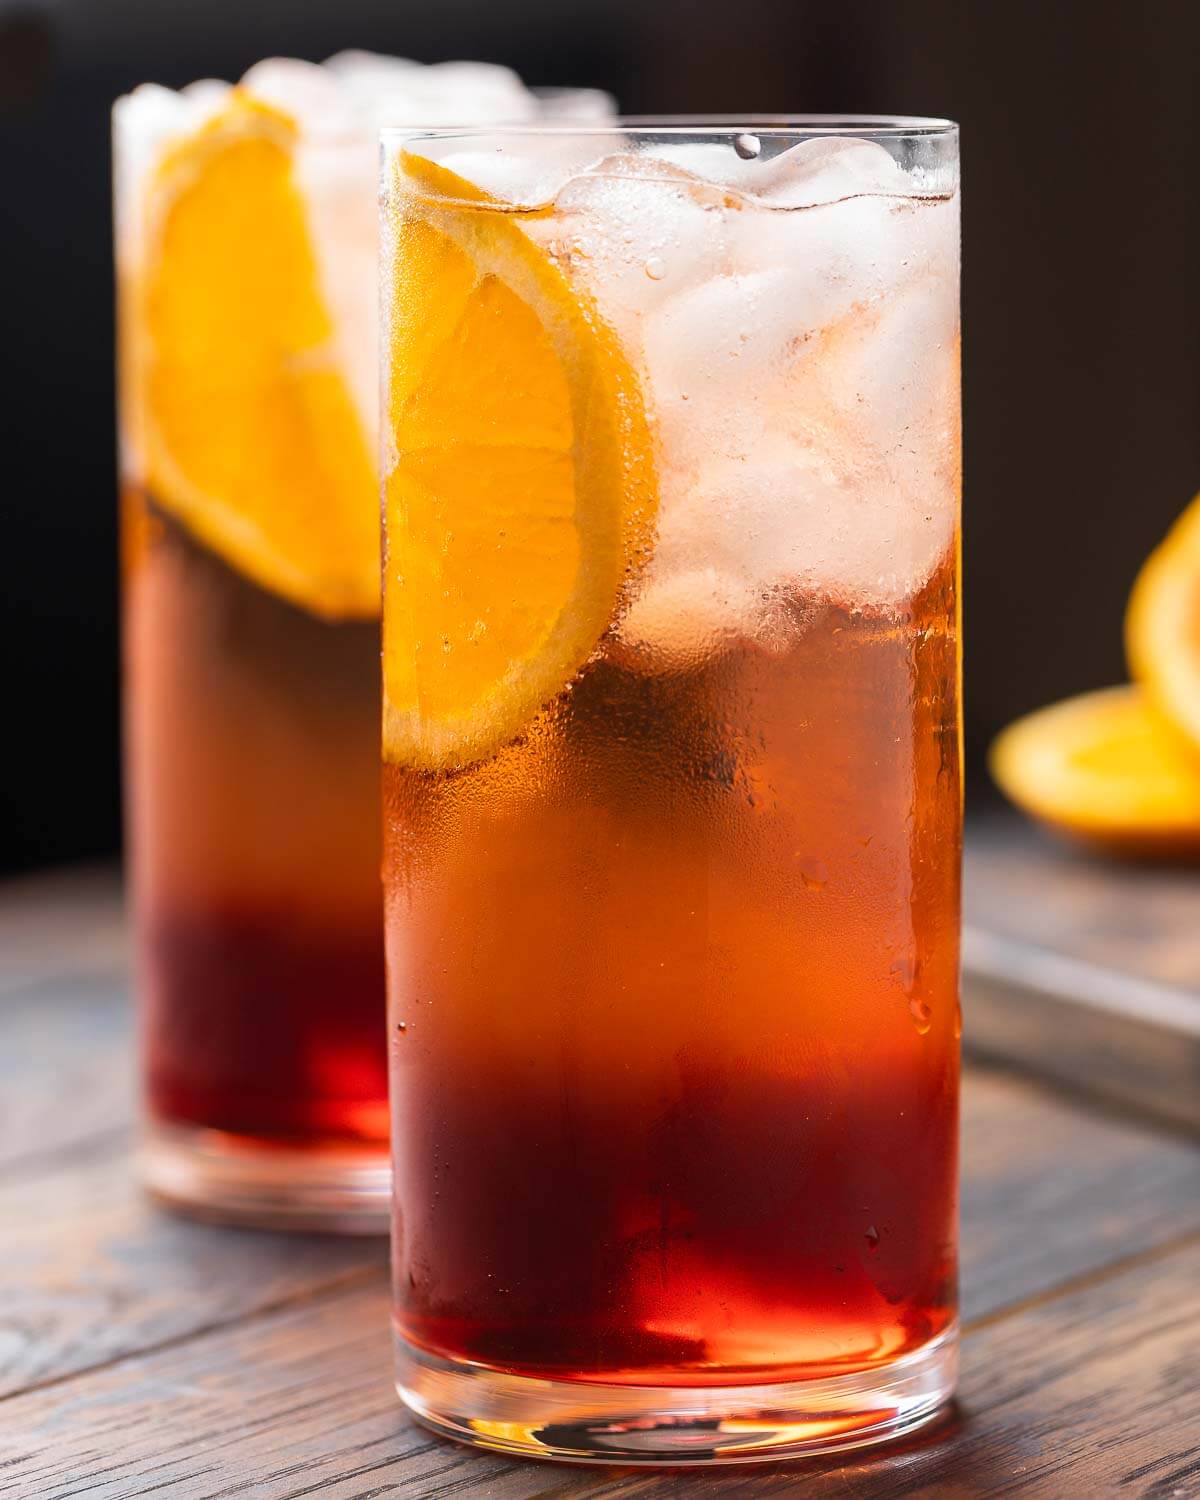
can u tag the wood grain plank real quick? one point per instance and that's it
(93, 1271)
(66, 1072)
(1052, 1189)
(1096, 1392)
(66, 1066)
(1134, 918)
(1083, 969)
(61, 922)
(149, 1355)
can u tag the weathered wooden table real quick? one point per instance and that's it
(144, 1355)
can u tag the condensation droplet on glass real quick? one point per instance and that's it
(401, 1025)
(747, 146)
(904, 971)
(872, 1238)
(812, 872)
(656, 268)
(921, 1014)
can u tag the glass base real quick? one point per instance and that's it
(234, 1180)
(582, 1422)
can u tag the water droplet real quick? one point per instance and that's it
(904, 971)
(747, 146)
(872, 1238)
(656, 268)
(401, 1025)
(958, 1018)
(812, 872)
(921, 1014)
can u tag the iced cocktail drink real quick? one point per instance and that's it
(671, 784)
(247, 269)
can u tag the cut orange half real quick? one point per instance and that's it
(520, 489)
(244, 424)
(1162, 625)
(1104, 767)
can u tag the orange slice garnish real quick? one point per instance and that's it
(520, 490)
(245, 429)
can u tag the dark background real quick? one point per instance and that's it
(1081, 148)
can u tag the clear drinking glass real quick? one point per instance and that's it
(671, 461)
(247, 229)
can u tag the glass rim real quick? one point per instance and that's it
(861, 127)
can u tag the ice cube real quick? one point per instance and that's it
(306, 92)
(843, 214)
(713, 161)
(636, 231)
(828, 169)
(393, 91)
(207, 93)
(887, 368)
(730, 541)
(531, 176)
(713, 356)
(807, 421)
(680, 617)
(565, 106)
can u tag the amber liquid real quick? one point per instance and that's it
(252, 793)
(673, 1005)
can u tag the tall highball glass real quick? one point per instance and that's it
(246, 251)
(671, 459)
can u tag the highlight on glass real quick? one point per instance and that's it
(246, 248)
(671, 488)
